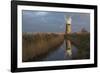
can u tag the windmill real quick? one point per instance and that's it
(68, 25)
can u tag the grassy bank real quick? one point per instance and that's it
(82, 42)
(37, 44)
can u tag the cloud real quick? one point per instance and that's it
(41, 13)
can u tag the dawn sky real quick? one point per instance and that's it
(42, 21)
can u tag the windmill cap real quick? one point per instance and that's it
(69, 20)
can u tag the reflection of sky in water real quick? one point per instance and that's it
(42, 21)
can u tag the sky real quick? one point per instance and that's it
(43, 21)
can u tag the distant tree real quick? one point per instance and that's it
(83, 30)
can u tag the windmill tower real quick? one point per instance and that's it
(68, 25)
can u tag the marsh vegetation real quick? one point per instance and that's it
(82, 42)
(39, 46)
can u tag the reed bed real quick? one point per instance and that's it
(35, 45)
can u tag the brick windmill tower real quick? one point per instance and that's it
(68, 25)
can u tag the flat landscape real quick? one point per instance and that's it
(37, 46)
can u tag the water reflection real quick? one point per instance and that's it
(68, 47)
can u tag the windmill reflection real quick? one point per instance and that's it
(68, 48)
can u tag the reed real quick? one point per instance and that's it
(35, 45)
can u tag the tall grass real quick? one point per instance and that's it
(38, 44)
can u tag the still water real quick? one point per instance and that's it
(67, 51)
(62, 53)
